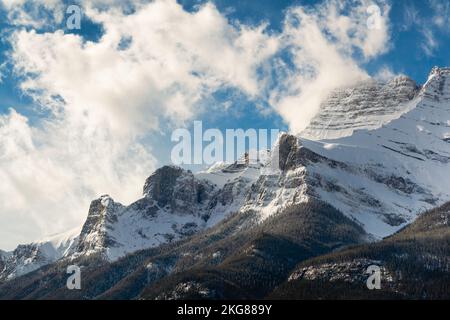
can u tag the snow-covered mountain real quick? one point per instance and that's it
(175, 204)
(378, 152)
(29, 257)
(385, 177)
(389, 162)
(367, 105)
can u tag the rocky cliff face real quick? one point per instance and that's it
(179, 191)
(368, 105)
(175, 204)
(96, 234)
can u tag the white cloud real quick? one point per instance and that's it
(36, 13)
(430, 43)
(441, 13)
(385, 74)
(49, 175)
(427, 26)
(323, 42)
(104, 98)
(411, 16)
(165, 71)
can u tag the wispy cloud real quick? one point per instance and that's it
(411, 16)
(385, 74)
(441, 13)
(427, 25)
(323, 41)
(430, 44)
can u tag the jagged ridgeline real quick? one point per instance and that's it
(234, 231)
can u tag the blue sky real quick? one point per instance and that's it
(82, 114)
(406, 55)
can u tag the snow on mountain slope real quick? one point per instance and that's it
(176, 204)
(384, 173)
(368, 105)
(389, 175)
(26, 258)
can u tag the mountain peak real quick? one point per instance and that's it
(160, 184)
(367, 105)
(94, 235)
(440, 71)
